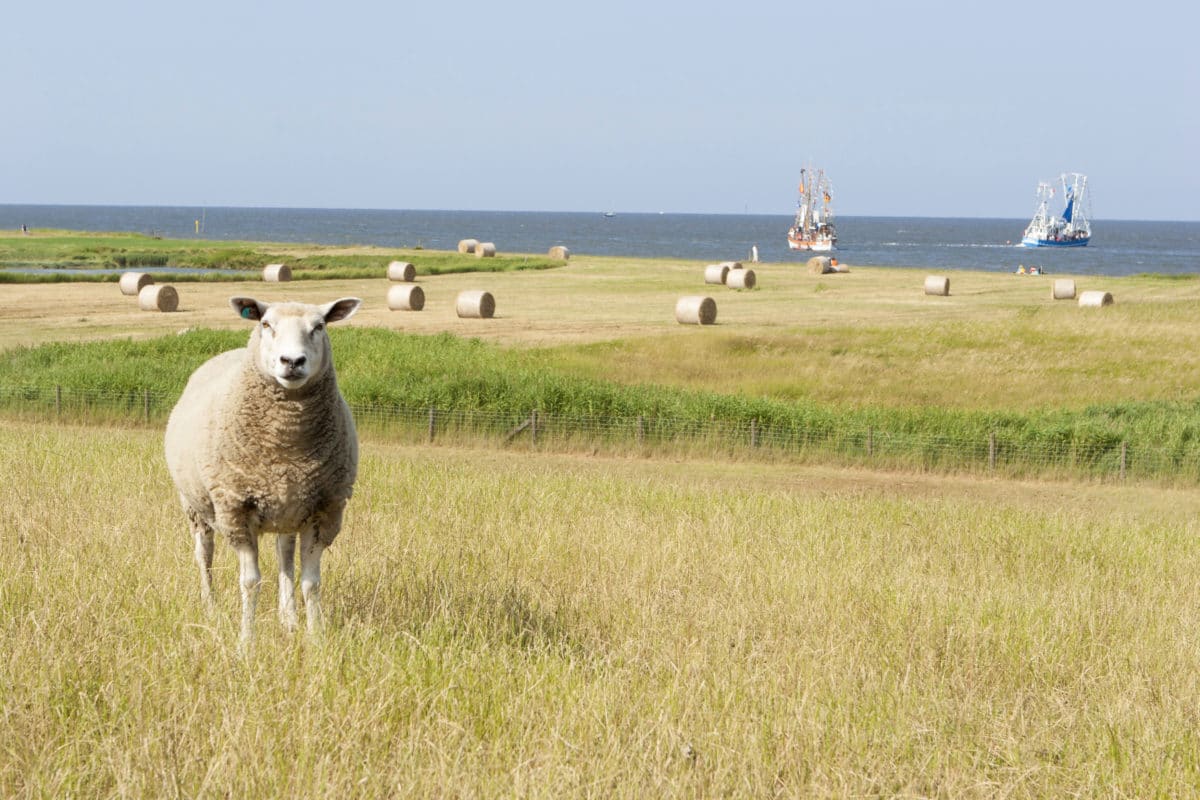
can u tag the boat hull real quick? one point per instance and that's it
(1032, 242)
(809, 244)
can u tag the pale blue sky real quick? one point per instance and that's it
(922, 108)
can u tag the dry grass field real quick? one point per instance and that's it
(515, 623)
(507, 624)
(867, 338)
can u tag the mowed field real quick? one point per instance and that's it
(533, 624)
(867, 338)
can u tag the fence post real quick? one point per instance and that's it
(432, 422)
(58, 401)
(1123, 453)
(754, 433)
(641, 430)
(992, 450)
(533, 415)
(870, 442)
(146, 404)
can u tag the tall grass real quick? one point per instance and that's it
(381, 370)
(506, 625)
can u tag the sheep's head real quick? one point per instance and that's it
(290, 344)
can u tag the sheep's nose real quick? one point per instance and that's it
(293, 362)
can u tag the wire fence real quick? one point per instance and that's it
(848, 444)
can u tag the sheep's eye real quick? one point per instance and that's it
(320, 326)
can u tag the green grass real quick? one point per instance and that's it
(380, 370)
(68, 250)
(517, 625)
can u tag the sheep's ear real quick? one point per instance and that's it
(248, 307)
(340, 309)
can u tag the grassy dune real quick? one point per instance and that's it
(541, 626)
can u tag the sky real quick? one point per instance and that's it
(919, 108)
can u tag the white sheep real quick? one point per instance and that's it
(261, 441)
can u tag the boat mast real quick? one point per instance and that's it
(1078, 195)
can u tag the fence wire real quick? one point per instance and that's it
(851, 444)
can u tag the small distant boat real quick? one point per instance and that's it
(1072, 228)
(610, 213)
(813, 228)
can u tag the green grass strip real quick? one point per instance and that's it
(384, 369)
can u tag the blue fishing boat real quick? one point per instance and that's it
(1071, 228)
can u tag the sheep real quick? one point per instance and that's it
(262, 441)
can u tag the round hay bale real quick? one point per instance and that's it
(819, 265)
(696, 310)
(733, 264)
(401, 271)
(1063, 289)
(467, 245)
(277, 273)
(937, 285)
(132, 282)
(838, 268)
(560, 252)
(716, 273)
(158, 298)
(741, 279)
(1095, 299)
(475, 304)
(406, 297)
(485, 250)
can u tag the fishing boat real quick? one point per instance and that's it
(813, 228)
(1072, 228)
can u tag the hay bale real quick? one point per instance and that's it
(475, 304)
(467, 245)
(133, 282)
(741, 279)
(696, 310)
(485, 250)
(277, 273)
(733, 264)
(158, 298)
(1095, 299)
(716, 273)
(819, 265)
(937, 285)
(560, 252)
(839, 268)
(401, 271)
(406, 297)
(1063, 289)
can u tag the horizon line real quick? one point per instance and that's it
(614, 212)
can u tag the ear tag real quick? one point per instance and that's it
(246, 312)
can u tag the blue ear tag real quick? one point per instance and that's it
(246, 312)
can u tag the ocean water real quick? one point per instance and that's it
(1117, 247)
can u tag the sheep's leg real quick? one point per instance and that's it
(204, 558)
(285, 546)
(310, 578)
(250, 581)
(202, 533)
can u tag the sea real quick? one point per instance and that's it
(1118, 247)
